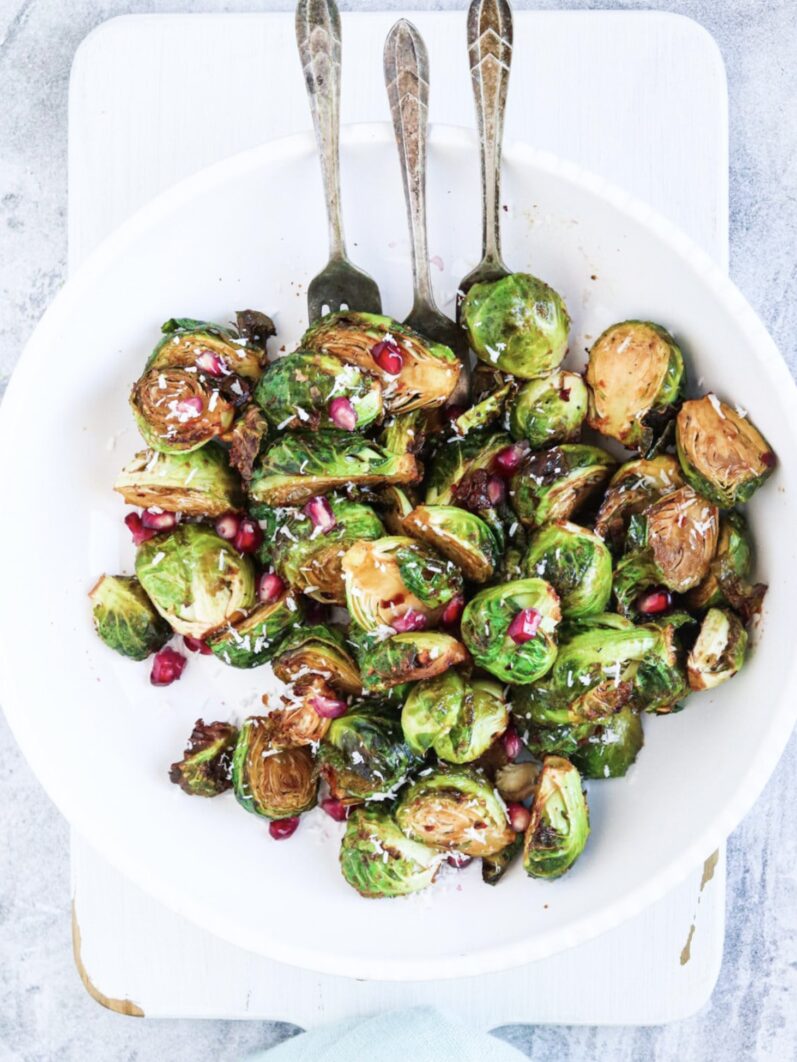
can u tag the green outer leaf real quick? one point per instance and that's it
(253, 640)
(576, 563)
(377, 859)
(125, 618)
(433, 579)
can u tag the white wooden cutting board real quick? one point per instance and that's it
(638, 97)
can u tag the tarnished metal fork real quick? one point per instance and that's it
(340, 285)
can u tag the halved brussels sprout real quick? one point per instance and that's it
(511, 629)
(409, 658)
(363, 755)
(206, 767)
(309, 558)
(719, 650)
(253, 639)
(431, 709)
(576, 563)
(635, 375)
(559, 826)
(495, 866)
(379, 861)
(554, 484)
(195, 579)
(317, 650)
(246, 438)
(517, 324)
(482, 413)
(457, 809)
(208, 348)
(722, 454)
(605, 750)
(633, 487)
(549, 410)
(297, 722)
(460, 720)
(459, 462)
(397, 582)
(301, 464)
(125, 618)
(727, 580)
(414, 372)
(178, 410)
(199, 483)
(459, 535)
(275, 784)
(299, 391)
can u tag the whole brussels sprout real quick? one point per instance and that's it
(178, 410)
(195, 579)
(317, 650)
(635, 376)
(722, 454)
(208, 348)
(517, 324)
(301, 464)
(253, 639)
(307, 390)
(275, 784)
(409, 658)
(199, 483)
(634, 486)
(206, 766)
(576, 563)
(458, 719)
(455, 808)
(605, 750)
(414, 372)
(559, 826)
(549, 410)
(719, 650)
(460, 535)
(511, 629)
(554, 484)
(363, 755)
(125, 618)
(377, 859)
(308, 556)
(459, 463)
(727, 580)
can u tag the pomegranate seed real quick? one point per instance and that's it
(167, 667)
(458, 860)
(196, 645)
(269, 587)
(388, 356)
(328, 707)
(137, 530)
(211, 363)
(228, 525)
(511, 743)
(453, 611)
(190, 407)
(320, 513)
(452, 412)
(410, 621)
(525, 625)
(519, 817)
(768, 459)
(654, 602)
(249, 537)
(564, 394)
(507, 461)
(280, 829)
(496, 490)
(342, 414)
(159, 521)
(335, 809)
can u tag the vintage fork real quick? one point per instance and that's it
(490, 56)
(406, 64)
(340, 285)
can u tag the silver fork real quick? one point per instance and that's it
(490, 56)
(406, 65)
(340, 285)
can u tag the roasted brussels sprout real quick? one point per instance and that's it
(200, 483)
(722, 454)
(308, 553)
(635, 376)
(379, 861)
(208, 348)
(455, 808)
(517, 324)
(554, 484)
(125, 618)
(317, 650)
(431, 709)
(559, 826)
(495, 866)
(634, 486)
(206, 766)
(253, 639)
(511, 629)
(308, 390)
(363, 755)
(719, 650)
(605, 750)
(275, 784)
(459, 535)
(414, 372)
(727, 580)
(409, 658)
(549, 410)
(576, 563)
(301, 464)
(297, 721)
(394, 505)
(178, 410)
(405, 433)
(458, 719)
(462, 466)
(482, 413)
(195, 579)
(246, 438)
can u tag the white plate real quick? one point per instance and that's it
(249, 232)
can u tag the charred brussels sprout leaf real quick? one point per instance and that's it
(635, 375)
(206, 766)
(297, 721)
(727, 580)
(517, 324)
(458, 463)
(378, 860)
(405, 433)
(253, 640)
(495, 866)
(576, 563)
(195, 579)
(177, 410)
(125, 619)
(275, 784)
(246, 439)
(317, 650)
(549, 410)
(200, 483)
(559, 826)
(409, 658)
(722, 454)
(633, 487)
(363, 755)
(719, 650)
(459, 535)
(554, 484)
(206, 347)
(482, 413)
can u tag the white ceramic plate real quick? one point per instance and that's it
(250, 232)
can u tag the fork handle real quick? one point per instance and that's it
(318, 38)
(490, 56)
(406, 64)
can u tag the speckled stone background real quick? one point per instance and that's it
(44, 1010)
